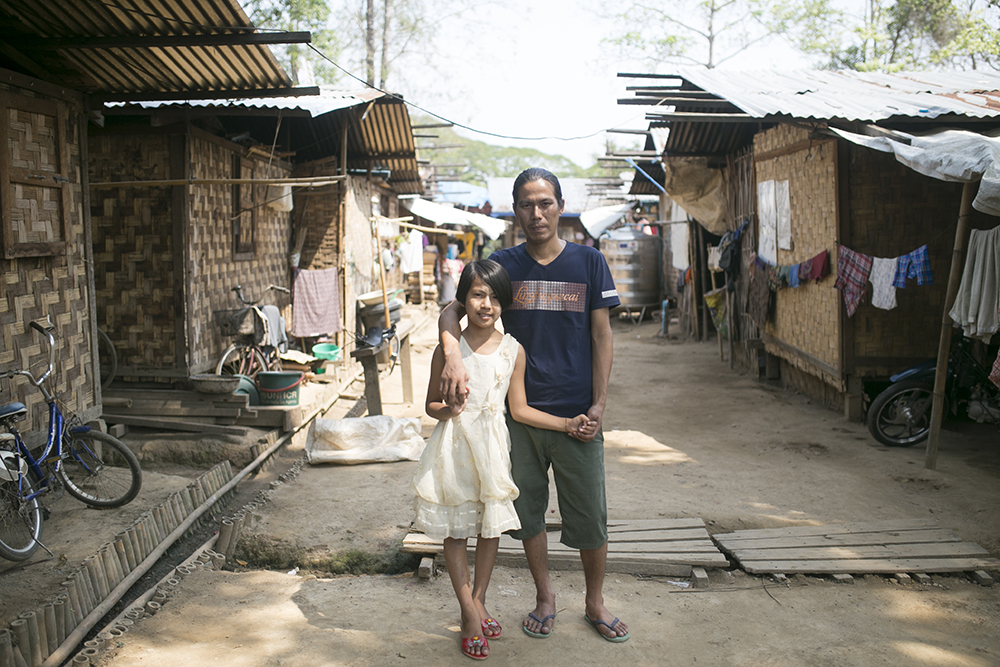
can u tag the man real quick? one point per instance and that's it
(562, 296)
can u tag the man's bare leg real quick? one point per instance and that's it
(594, 562)
(536, 550)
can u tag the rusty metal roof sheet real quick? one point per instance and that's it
(96, 46)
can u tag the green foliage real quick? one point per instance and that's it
(901, 34)
(481, 159)
(693, 32)
(296, 15)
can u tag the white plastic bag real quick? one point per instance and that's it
(378, 439)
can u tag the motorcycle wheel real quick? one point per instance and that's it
(901, 415)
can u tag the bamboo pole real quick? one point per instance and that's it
(944, 343)
(20, 628)
(314, 182)
(6, 649)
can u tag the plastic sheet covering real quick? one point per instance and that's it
(700, 190)
(378, 439)
(947, 155)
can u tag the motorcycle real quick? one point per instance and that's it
(900, 416)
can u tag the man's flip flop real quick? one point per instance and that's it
(494, 627)
(469, 643)
(541, 621)
(610, 626)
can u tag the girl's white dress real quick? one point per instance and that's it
(463, 484)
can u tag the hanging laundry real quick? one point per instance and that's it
(820, 266)
(978, 297)
(793, 275)
(773, 277)
(758, 296)
(914, 265)
(853, 270)
(883, 273)
(316, 303)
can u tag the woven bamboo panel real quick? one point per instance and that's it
(133, 249)
(805, 317)
(894, 210)
(55, 286)
(32, 138)
(212, 266)
(319, 211)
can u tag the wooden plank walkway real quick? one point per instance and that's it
(875, 547)
(667, 547)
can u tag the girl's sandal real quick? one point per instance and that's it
(469, 643)
(490, 625)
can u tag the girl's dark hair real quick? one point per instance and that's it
(493, 275)
(536, 174)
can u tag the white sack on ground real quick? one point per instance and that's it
(378, 439)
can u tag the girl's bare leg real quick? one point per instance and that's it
(457, 562)
(486, 557)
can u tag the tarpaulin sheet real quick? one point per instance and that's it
(947, 155)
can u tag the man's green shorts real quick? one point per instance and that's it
(578, 469)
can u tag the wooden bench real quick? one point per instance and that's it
(368, 356)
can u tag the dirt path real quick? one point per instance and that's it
(686, 437)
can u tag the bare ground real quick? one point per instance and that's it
(685, 437)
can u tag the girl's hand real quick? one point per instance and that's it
(581, 426)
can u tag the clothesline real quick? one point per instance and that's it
(855, 269)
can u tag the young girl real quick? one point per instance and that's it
(463, 483)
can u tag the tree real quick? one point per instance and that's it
(480, 159)
(697, 32)
(293, 16)
(902, 34)
(406, 28)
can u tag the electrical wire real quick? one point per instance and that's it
(452, 122)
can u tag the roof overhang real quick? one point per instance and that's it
(144, 49)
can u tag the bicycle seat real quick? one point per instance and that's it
(13, 410)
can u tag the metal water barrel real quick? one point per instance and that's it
(634, 260)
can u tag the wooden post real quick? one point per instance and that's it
(944, 344)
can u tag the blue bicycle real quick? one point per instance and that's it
(93, 467)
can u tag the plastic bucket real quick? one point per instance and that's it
(279, 387)
(327, 351)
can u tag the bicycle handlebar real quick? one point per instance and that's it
(239, 293)
(45, 330)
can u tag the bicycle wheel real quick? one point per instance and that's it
(99, 470)
(20, 522)
(241, 359)
(108, 359)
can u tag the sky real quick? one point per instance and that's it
(535, 70)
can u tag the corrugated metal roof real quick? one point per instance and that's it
(136, 69)
(762, 98)
(380, 137)
(850, 95)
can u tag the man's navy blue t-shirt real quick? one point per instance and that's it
(550, 317)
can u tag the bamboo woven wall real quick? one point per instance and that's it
(318, 212)
(212, 267)
(894, 210)
(133, 249)
(807, 317)
(56, 286)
